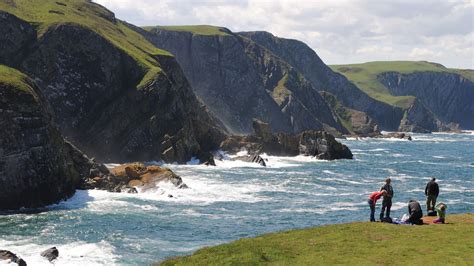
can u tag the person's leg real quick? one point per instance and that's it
(372, 211)
(382, 210)
(433, 202)
(428, 202)
(389, 206)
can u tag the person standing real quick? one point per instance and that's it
(431, 193)
(387, 199)
(373, 200)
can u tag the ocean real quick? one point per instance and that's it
(235, 200)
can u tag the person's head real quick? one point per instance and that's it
(433, 179)
(412, 200)
(388, 180)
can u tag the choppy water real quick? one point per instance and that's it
(235, 200)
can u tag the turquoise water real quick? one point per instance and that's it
(235, 200)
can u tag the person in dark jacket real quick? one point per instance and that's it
(431, 193)
(387, 199)
(415, 213)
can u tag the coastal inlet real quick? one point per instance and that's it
(237, 199)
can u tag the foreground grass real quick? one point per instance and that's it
(361, 243)
(365, 77)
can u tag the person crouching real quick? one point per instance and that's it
(415, 213)
(441, 210)
(373, 200)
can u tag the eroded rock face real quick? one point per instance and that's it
(93, 90)
(239, 80)
(36, 167)
(50, 254)
(319, 144)
(322, 78)
(447, 96)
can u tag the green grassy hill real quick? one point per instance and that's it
(361, 243)
(14, 78)
(48, 13)
(194, 29)
(365, 77)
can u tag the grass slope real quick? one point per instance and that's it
(361, 243)
(47, 13)
(365, 77)
(13, 78)
(194, 29)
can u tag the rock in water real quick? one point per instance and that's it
(7, 255)
(319, 144)
(255, 158)
(50, 254)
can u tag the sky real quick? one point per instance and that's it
(340, 31)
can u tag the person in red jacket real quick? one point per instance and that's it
(372, 200)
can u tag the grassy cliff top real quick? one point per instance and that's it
(13, 78)
(47, 13)
(360, 243)
(194, 29)
(365, 77)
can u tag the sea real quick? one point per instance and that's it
(234, 200)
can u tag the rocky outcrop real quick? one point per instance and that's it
(305, 60)
(356, 122)
(104, 100)
(419, 119)
(132, 176)
(448, 96)
(36, 165)
(395, 135)
(11, 257)
(50, 254)
(319, 144)
(240, 80)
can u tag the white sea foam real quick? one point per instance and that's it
(75, 253)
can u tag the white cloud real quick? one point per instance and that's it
(340, 31)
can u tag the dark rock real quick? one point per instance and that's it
(94, 89)
(396, 135)
(255, 158)
(7, 255)
(319, 144)
(239, 80)
(36, 165)
(50, 254)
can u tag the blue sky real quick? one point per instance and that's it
(340, 31)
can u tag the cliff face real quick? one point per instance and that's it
(36, 164)
(239, 80)
(307, 62)
(115, 101)
(448, 96)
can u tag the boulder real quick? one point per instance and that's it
(50, 254)
(12, 257)
(396, 135)
(137, 175)
(255, 158)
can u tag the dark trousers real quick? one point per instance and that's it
(430, 202)
(372, 210)
(386, 205)
(415, 217)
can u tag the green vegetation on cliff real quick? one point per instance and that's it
(365, 77)
(361, 243)
(194, 29)
(14, 78)
(45, 14)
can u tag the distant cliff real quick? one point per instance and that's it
(112, 93)
(239, 80)
(434, 98)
